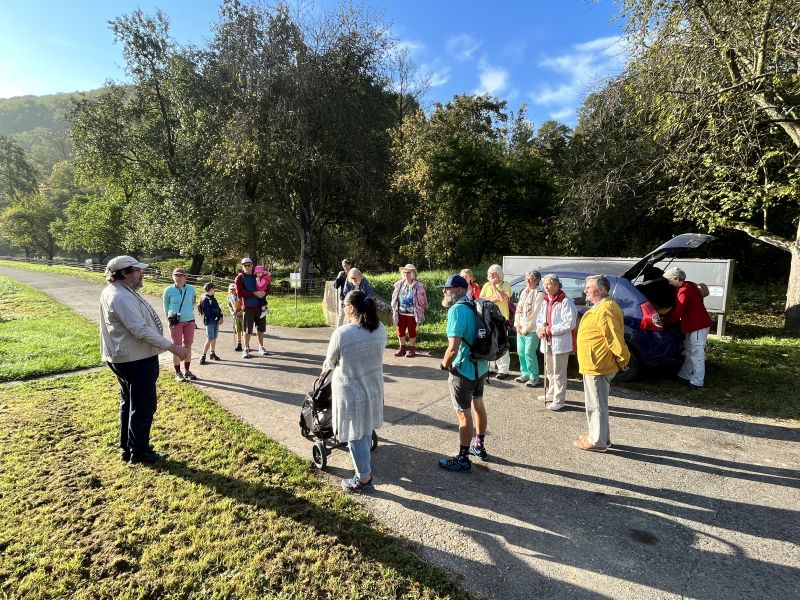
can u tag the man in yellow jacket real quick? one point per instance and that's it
(602, 352)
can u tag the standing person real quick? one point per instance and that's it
(602, 352)
(530, 301)
(212, 319)
(409, 303)
(131, 338)
(251, 296)
(695, 323)
(235, 308)
(467, 376)
(338, 284)
(474, 289)
(499, 292)
(356, 281)
(554, 325)
(355, 353)
(179, 300)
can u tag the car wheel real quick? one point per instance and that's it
(633, 368)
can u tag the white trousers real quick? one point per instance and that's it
(555, 369)
(694, 348)
(595, 398)
(504, 363)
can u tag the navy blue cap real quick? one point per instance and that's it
(209, 286)
(455, 281)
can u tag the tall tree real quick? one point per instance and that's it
(720, 81)
(17, 175)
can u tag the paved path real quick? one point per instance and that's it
(689, 503)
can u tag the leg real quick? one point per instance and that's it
(560, 362)
(479, 408)
(686, 368)
(249, 323)
(412, 336)
(523, 343)
(261, 328)
(531, 350)
(549, 373)
(124, 407)
(360, 455)
(142, 376)
(696, 352)
(176, 335)
(504, 363)
(402, 326)
(461, 391)
(595, 389)
(188, 339)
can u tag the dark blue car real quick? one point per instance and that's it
(647, 340)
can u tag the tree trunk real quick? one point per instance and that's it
(792, 314)
(306, 255)
(197, 264)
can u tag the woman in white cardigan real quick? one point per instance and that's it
(555, 323)
(355, 353)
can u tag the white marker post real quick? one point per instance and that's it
(294, 283)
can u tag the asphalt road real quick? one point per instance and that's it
(689, 503)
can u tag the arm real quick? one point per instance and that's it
(129, 315)
(422, 296)
(340, 279)
(450, 353)
(395, 302)
(333, 354)
(610, 324)
(165, 299)
(569, 318)
(368, 291)
(240, 291)
(679, 310)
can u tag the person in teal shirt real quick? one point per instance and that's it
(467, 376)
(179, 300)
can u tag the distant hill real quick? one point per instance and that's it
(37, 124)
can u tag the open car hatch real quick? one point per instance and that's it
(671, 249)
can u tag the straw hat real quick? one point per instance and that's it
(409, 267)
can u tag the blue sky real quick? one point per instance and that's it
(549, 54)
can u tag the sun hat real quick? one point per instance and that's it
(179, 271)
(455, 281)
(409, 267)
(123, 262)
(247, 261)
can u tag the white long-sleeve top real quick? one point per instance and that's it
(530, 301)
(129, 327)
(564, 316)
(356, 356)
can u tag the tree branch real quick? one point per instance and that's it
(763, 236)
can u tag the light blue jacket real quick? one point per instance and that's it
(172, 301)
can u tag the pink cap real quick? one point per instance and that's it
(179, 271)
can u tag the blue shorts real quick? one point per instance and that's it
(212, 329)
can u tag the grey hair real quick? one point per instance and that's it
(675, 273)
(496, 269)
(534, 274)
(601, 282)
(552, 277)
(351, 274)
(467, 272)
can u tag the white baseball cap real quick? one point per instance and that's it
(123, 262)
(246, 261)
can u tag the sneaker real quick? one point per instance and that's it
(501, 376)
(238, 348)
(189, 376)
(532, 383)
(203, 359)
(213, 356)
(456, 464)
(355, 486)
(179, 377)
(478, 451)
(555, 407)
(522, 379)
(263, 352)
(584, 444)
(246, 353)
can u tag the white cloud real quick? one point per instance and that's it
(411, 46)
(493, 80)
(438, 73)
(580, 71)
(463, 46)
(565, 114)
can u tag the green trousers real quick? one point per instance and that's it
(527, 345)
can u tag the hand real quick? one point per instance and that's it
(625, 369)
(260, 294)
(179, 351)
(518, 328)
(443, 368)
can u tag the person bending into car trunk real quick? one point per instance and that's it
(695, 324)
(602, 352)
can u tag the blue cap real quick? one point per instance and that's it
(455, 281)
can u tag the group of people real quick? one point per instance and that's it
(132, 337)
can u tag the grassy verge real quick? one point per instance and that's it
(230, 515)
(39, 336)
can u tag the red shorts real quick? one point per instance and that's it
(182, 334)
(407, 321)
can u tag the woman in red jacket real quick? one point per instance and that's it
(695, 325)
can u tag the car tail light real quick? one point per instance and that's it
(651, 320)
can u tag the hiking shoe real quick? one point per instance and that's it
(263, 352)
(478, 451)
(246, 353)
(238, 348)
(584, 444)
(411, 352)
(179, 377)
(455, 464)
(213, 356)
(401, 351)
(532, 383)
(521, 379)
(189, 376)
(501, 376)
(356, 486)
(203, 359)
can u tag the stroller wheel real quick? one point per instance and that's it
(304, 430)
(319, 455)
(374, 441)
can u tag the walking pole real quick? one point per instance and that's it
(544, 340)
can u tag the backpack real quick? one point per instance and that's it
(491, 341)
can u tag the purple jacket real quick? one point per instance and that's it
(419, 297)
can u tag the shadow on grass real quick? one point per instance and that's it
(356, 533)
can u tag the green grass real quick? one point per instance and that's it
(230, 515)
(40, 336)
(282, 312)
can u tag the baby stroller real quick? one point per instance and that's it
(315, 421)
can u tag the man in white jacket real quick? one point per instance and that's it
(131, 338)
(554, 325)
